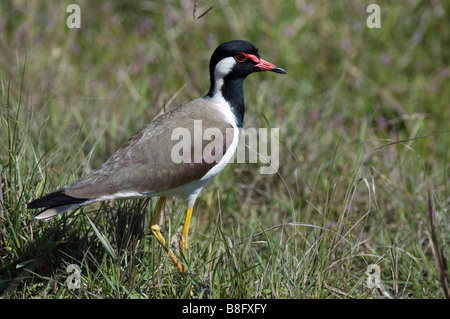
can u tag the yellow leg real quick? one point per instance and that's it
(156, 231)
(184, 234)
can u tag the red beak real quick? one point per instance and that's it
(264, 65)
(261, 65)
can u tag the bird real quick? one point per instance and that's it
(171, 156)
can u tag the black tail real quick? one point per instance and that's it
(55, 203)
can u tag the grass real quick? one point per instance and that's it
(363, 117)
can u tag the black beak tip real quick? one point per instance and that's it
(279, 70)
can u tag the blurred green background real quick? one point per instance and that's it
(364, 137)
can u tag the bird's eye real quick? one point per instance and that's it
(240, 57)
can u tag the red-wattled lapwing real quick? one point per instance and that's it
(144, 166)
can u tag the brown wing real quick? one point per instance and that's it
(145, 163)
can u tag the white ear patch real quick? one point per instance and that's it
(224, 67)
